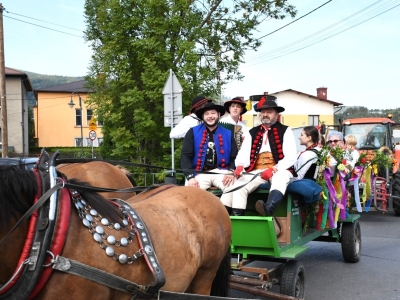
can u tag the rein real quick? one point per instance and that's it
(58, 186)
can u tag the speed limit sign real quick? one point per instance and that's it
(92, 135)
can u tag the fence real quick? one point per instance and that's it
(151, 178)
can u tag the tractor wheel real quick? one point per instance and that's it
(396, 192)
(293, 279)
(351, 241)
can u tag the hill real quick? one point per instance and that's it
(41, 81)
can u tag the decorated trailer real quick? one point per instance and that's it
(376, 139)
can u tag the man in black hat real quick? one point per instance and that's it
(271, 151)
(236, 108)
(209, 147)
(179, 131)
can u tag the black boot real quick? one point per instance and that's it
(274, 198)
(229, 210)
(238, 211)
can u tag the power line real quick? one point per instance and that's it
(261, 58)
(44, 27)
(43, 21)
(294, 21)
(262, 55)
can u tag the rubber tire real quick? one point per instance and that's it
(293, 280)
(396, 192)
(351, 241)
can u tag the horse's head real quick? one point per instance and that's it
(17, 191)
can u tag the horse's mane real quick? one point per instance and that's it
(97, 202)
(17, 191)
(128, 174)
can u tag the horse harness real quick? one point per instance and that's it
(52, 217)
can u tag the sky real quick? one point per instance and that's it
(360, 66)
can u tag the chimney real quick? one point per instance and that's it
(322, 93)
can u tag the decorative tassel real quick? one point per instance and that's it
(319, 216)
(325, 202)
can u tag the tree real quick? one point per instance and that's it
(135, 43)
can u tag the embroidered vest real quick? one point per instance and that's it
(275, 139)
(222, 141)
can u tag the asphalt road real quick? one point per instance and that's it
(375, 276)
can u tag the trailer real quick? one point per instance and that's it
(254, 239)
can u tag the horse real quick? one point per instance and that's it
(101, 174)
(189, 227)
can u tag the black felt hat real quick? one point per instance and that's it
(227, 104)
(264, 102)
(210, 106)
(198, 101)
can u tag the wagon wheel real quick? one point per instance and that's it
(396, 192)
(351, 241)
(293, 279)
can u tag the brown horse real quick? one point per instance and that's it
(189, 227)
(100, 174)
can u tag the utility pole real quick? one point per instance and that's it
(4, 131)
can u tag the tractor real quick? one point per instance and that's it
(379, 134)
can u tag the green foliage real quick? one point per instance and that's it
(41, 81)
(135, 43)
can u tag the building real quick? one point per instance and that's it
(301, 109)
(58, 125)
(17, 86)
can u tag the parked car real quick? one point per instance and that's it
(23, 162)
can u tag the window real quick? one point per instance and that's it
(313, 120)
(78, 117)
(78, 142)
(89, 114)
(89, 142)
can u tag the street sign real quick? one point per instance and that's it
(177, 105)
(167, 120)
(172, 85)
(92, 124)
(172, 97)
(92, 135)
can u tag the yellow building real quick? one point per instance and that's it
(58, 125)
(301, 109)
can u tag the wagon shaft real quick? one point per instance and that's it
(260, 292)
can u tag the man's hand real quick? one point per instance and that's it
(193, 182)
(228, 180)
(267, 174)
(238, 172)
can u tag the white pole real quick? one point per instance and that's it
(171, 74)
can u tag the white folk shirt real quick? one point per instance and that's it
(288, 148)
(179, 131)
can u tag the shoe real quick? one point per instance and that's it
(260, 208)
(275, 197)
(238, 211)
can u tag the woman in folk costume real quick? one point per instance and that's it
(306, 164)
(236, 108)
(179, 131)
(270, 152)
(208, 152)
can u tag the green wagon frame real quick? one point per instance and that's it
(254, 239)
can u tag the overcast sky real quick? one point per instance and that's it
(359, 65)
